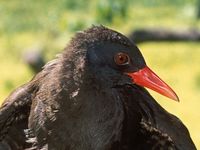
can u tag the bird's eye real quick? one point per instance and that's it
(122, 59)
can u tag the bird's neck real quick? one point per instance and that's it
(94, 107)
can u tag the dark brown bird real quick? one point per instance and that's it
(92, 98)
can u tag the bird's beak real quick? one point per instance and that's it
(147, 78)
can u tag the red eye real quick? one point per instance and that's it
(122, 59)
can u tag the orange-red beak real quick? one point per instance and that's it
(147, 78)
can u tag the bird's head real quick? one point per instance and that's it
(113, 58)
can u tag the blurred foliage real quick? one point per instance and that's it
(107, 10)
(49, 15)
(49, 24)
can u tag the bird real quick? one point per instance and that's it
(93, 97)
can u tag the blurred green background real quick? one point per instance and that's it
(48, 25)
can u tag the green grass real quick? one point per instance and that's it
(50, 24)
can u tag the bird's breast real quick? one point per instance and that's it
(88, 119)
